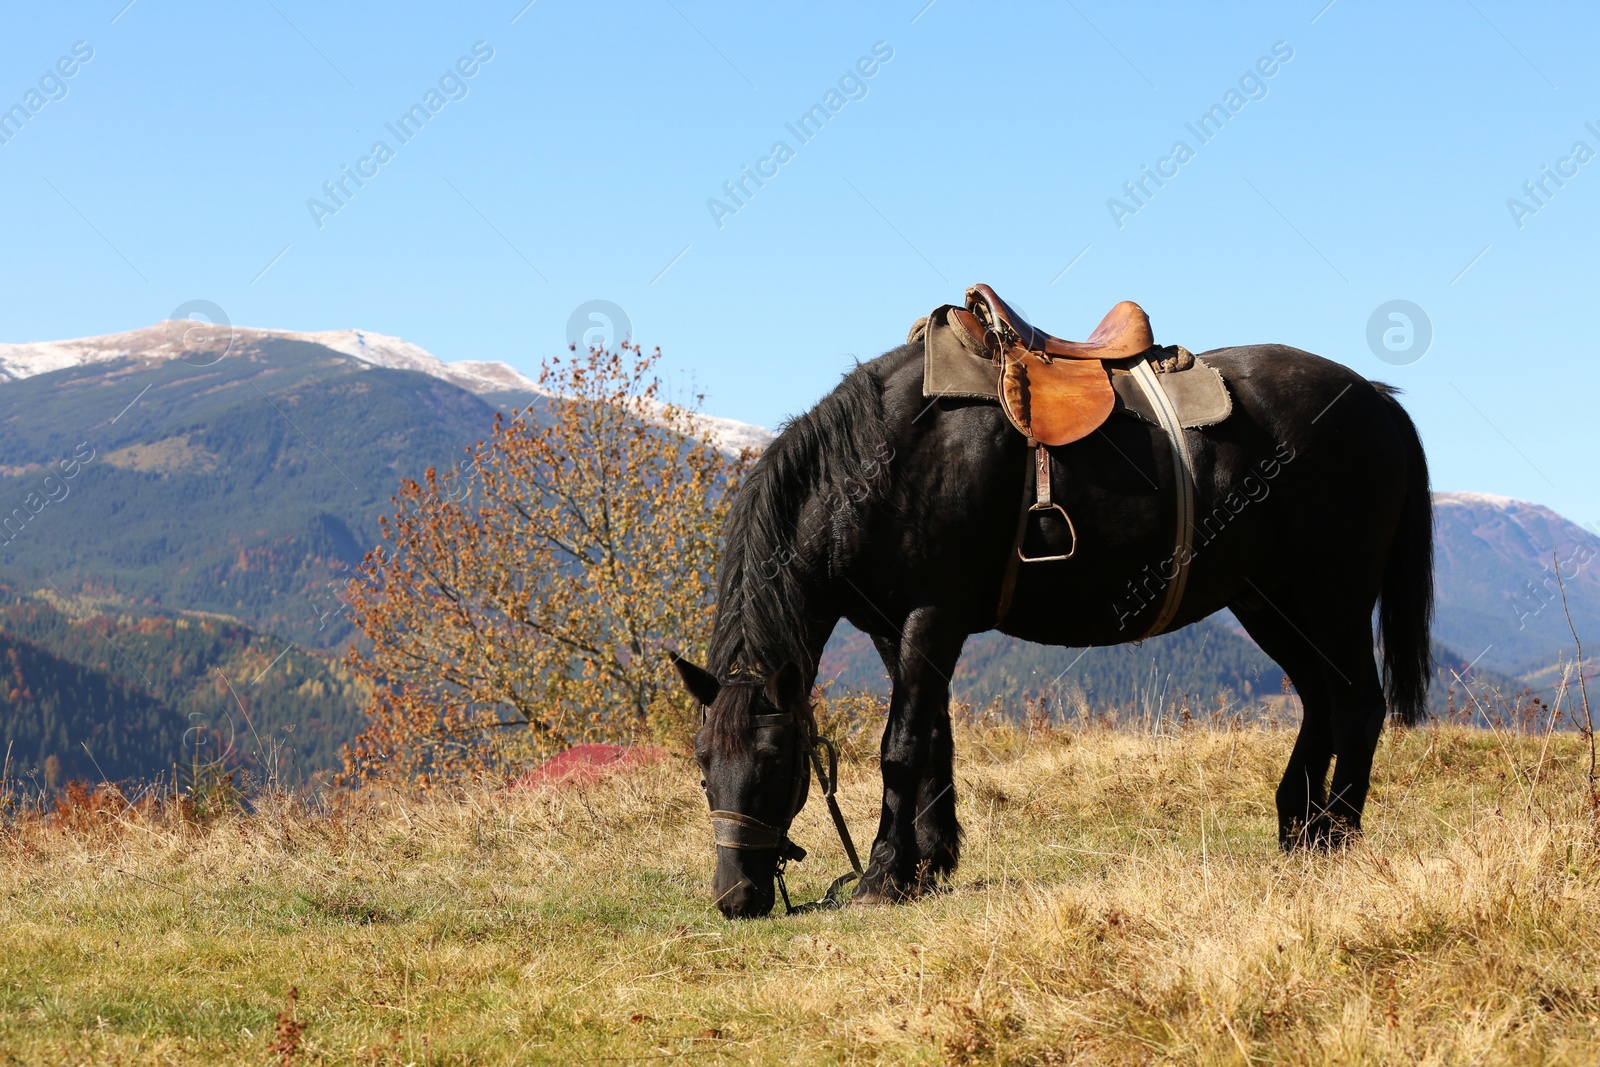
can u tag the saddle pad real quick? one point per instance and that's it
(951, 368)
(1199, 395)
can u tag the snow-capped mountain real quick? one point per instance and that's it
(198, 341)
(181, 338)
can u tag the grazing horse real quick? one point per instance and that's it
(900, 514)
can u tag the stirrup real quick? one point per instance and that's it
(1042, 502)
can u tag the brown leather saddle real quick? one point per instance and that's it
(1054, 391)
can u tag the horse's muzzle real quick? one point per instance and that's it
(740, 893)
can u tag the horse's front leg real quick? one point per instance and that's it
(919, 838)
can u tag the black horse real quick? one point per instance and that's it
(899, 515)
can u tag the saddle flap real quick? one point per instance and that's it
(1055, 403)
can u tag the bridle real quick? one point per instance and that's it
(730, 829)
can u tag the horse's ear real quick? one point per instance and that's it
(786, 689)
(701, 683)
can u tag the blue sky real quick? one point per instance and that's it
(577, 162)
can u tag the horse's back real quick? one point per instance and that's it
(1279, 386)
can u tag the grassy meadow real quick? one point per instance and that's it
(1122, 900)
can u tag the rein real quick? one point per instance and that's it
(730, 829)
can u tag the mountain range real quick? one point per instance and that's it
(1498, 594)
(234, 471)
(230, 478)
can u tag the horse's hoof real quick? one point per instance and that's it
(1325, 833)
(880, 889)
(877, 890)
(891, 890)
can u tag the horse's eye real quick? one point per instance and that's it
(702, 783)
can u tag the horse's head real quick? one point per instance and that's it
(754, 751)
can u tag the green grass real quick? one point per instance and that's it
(1121, 900)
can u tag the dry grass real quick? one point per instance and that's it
(1122, 900)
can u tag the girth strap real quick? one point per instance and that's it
(1183, 474)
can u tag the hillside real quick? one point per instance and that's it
(198, 344)
(242, 475)
(128, 696)
(1498, 595)
(62, 722)
(243, 487)
(1121, 900)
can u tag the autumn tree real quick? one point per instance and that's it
(521, 602)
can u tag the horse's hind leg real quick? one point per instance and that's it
(919, 837)
(1302, 795)
(1357, 718)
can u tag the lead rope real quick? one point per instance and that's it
(830, 786)
(828, 778)
(788, 908)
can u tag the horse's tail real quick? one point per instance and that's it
(1405, 609)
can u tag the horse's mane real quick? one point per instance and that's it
(728, 717)
(836, 449)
